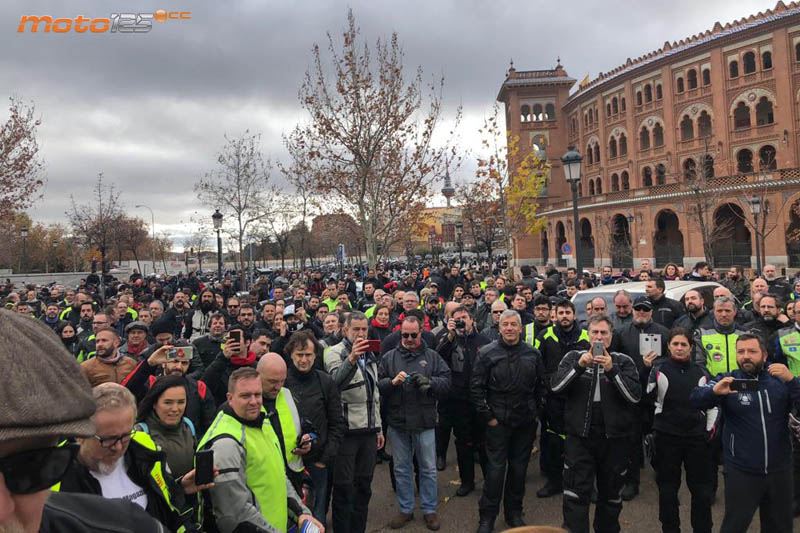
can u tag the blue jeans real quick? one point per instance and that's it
(406, 445)
(319, 478)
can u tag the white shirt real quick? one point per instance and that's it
(118, 484)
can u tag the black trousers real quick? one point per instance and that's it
(510, 447)
(469, 430)
(352, 482)
(444, 426)
(585, 458)
(771, 494)
(796, 467)
(693, 454)
(551, 455)
(641, 427)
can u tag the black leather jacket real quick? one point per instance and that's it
(460, 355)
(507, 382)
(88, 513)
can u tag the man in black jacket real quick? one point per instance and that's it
(459, 349)
(208, 346)
(696, 312)
(505, 391)
(629, 340)
(682, 433)
(411, 378)
(317, 399)
(554, 343)
(601, 390)
(665, 310)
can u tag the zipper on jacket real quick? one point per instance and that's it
(733, 451)
(769, 406)
(764, 431)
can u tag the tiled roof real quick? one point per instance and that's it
(781, 11)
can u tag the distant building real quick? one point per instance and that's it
(726, 101)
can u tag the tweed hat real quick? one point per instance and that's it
(42, 390)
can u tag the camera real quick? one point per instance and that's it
(460, 324)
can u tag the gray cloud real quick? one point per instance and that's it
(150, 111)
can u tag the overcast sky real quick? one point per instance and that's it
(150, 110)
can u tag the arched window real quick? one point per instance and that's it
(749, 63)
(659, 93)
(647, 177)
(623, 144)
(767, 158)
(537, 112)
(589, 155)
(612, 148)
(687, 128)
(614, 106)
(658, 135)
(691, 79)
(622, 104)
(680, 85)
(550, 112)
(585, 120)
(708, 166)
(596, 116)
(741, 116)
(597, 153)
(644, 139)
(591, 187)
(766, 60)
(614, 182)
(608, 109)
(626, 181)
(648, 93)
(638, 97)
(580, 189)
(764, 113)
(689, 169)
(526, 113)
(591, 117)
(599, 186)
(661, 174)
(704, 125)
(797, 52)
(733, 68)
(706, 77)
(744, 161)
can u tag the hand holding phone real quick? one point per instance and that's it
(204, 467)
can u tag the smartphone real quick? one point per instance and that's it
(374, 345)
(597, 348)
(180, 353)
(204, 467)
(236, 336)
(298, 304)
(742, 385)
(311, 438)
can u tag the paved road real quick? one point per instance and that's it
(461, 514)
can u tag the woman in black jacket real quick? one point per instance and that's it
(318, 402)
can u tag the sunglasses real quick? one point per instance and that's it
(497, 312)
(410, 335)
(109, 442)
(35, 470)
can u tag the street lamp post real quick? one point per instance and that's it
(459, 230)
(631, 219)
(217, 217)
(153, 227)
(24, 262)
(572, 172)
(755, 209)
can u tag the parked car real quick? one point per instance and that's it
(674, 290)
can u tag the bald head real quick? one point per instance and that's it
(449, 307)
(272, 371)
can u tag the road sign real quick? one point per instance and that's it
(566, 248)
(340, 252)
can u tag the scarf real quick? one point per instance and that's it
(377, 324)
(244, 361)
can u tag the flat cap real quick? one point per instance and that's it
(136, 324)
(42, 390)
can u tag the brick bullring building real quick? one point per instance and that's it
(708, 124)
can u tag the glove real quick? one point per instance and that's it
(421, 382)
(794, 425)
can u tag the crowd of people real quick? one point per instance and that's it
(299, 386)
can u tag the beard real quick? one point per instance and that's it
(206, 306)
(12, 527)
(105, 468)
(753, 367)
(692, 308)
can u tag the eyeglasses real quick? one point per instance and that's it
(35, 470)
(233, 307)
(410, 335)
(109, 442)
(497, 312)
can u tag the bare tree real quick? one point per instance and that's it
(369, 138)
(20, 163)
(239, 188)
(94, 222)
(299, 173)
